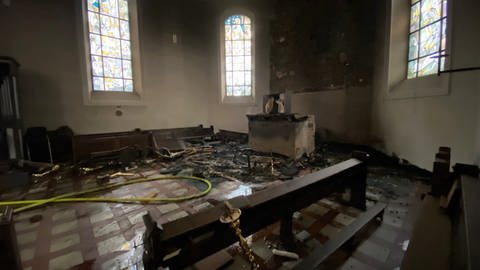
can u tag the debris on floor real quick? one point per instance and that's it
(109, 235)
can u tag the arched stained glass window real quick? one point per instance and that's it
(238, 56)
(110, 54)
(427, 39)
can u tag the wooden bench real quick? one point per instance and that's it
(321, 253)
(185, 241)
(466, 241)
(446, 233)
(430, 243)
(84, 145)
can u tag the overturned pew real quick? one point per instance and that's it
(183, 242)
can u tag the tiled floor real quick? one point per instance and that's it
(101, 235)
(380, 246)
(109, 236)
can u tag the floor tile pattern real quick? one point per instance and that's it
(109, 236)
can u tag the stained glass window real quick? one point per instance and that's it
(427, 39)
(110, 52)
(238, 56)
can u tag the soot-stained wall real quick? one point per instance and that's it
(320, 45)
(181, 81)
(322, 51)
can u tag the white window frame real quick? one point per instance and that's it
(243, 100)
(115, 98)
(396, 42)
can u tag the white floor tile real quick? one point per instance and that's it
(317, 209)
(354, 264)
(106, 229)
(329, 231)
(386, 234)
(344, 219)
(165, 208)
(130, 207)
(176, 216)
(64, 227)
(26, 238)
(101, 216)
(66, 261)
(392, 221)
(64, 214)
(202, 206)
(64, 242)
(302, 236)
(115, 243)
(27, 254)
(25, 225)
(374, 250)
(136, 218)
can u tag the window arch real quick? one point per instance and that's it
(237, 57)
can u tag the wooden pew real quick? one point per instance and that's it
(185, 241)
(84, 145)
(321, 253)
(446, 233)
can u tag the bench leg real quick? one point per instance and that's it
(286, 234)
(380, 215)
(358, 189)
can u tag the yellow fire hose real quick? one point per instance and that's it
(71, 197)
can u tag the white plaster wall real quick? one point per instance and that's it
(233, 116)
(180, 81)
(414, 128)
(42, 36)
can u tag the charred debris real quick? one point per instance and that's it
(222, 156)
